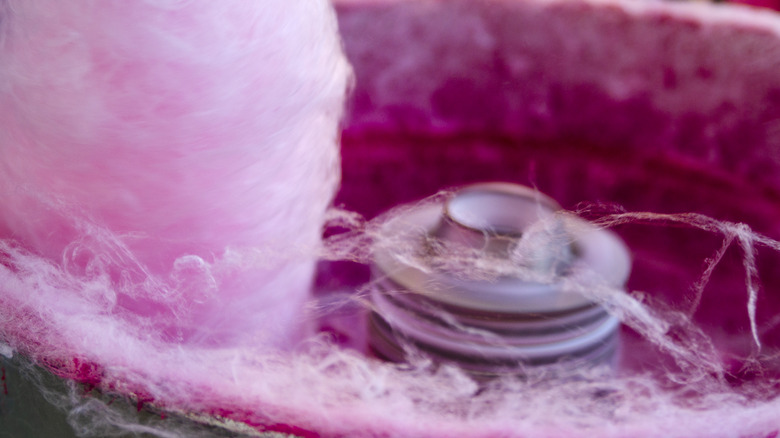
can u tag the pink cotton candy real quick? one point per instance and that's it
(201, 136)
(165, 178)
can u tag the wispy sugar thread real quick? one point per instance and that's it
(742, 232)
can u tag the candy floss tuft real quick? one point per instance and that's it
(168, 162)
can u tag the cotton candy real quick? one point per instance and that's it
(157, 141)
(158, 298)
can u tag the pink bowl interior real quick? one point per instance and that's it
(602, 106)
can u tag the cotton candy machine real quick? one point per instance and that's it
(657, 121)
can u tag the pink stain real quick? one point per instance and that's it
(769, 4)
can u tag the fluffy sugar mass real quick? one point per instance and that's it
(146, 146)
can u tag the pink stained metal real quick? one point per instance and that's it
(651, 106)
